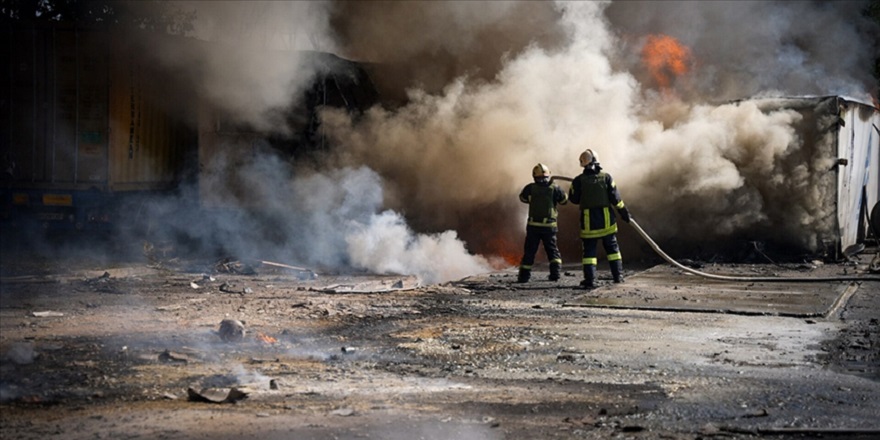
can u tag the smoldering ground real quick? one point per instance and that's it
(492, 88)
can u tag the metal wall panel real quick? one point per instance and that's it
(859, 180)
(82, 111)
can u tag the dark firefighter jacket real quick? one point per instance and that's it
(542, 199)
(596, 192)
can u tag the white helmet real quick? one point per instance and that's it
(540, 170)
(588, 157)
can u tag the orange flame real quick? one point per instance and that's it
(508, 251)
(665, 58)
(266, 339)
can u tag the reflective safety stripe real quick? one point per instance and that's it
(556, 260)
(545, 223)
(599, 233)
(614, 257)
(619, 205)
(525, 267)
(607, 228)
(590, 261)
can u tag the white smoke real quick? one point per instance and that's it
(247, 64)
(681, 164)
(746, 49)
(485, 90)
(328, 220)
(387, 245)
(246, 58)
(341, 213)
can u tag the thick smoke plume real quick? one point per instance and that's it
(247, 56)
(769, 47)
(249, 64)
(682, 158)
(477, 93)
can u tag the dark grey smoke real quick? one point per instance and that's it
(683, 162)
(742, 49)
(479, 92)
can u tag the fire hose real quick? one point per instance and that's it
(671, 261)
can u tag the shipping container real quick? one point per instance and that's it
(91, 129)
(83, 124)
(841, 150)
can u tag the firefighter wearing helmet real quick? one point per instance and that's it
(542, 196)
(595, 192)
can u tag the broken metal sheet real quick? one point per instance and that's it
(305, 273)
(47, 314)
(343, 412)
(172, 357)
(216, 395)
(374, 285)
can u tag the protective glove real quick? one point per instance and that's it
(624, 214)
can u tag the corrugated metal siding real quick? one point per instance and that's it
(148, 146)
(80, 112)
(24, 87)
(88, 90)
(858, 182)
(841, 152)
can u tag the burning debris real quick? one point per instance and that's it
(266, 339)
(228, 265)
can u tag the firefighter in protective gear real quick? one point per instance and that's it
(595, 192)
(542, 197)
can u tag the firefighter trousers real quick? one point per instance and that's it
(535, 235)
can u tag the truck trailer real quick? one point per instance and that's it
(90, 129)
(85, 127)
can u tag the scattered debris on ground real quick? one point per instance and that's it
(663, 356)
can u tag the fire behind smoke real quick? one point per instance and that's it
(557, 80)
(504, 248)
(666, 59)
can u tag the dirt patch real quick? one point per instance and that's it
(112, 352)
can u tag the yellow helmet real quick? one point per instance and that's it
(588, 157)
(540, 170)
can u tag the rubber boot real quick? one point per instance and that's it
(524, 275)
(589, 281)
(617, 270)
(554, 272)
